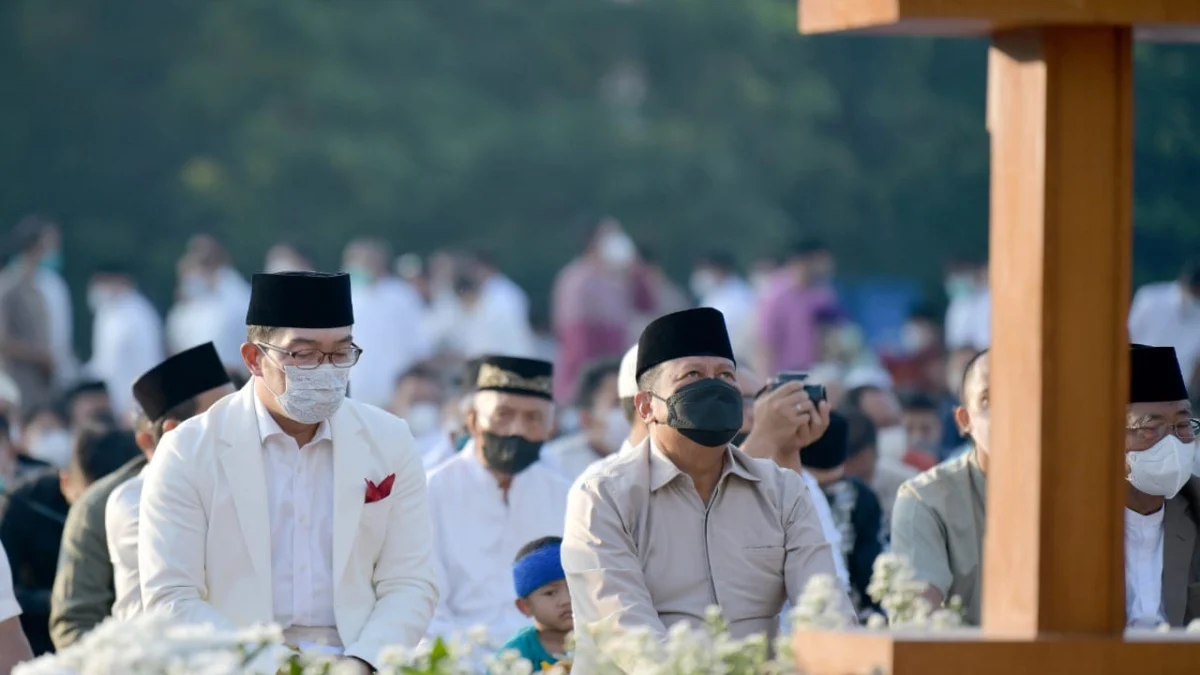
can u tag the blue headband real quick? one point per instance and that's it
(537, 569)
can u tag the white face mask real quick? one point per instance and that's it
(617, 249)
(616, 429)
(1163, 468)
(52, 446)
(915, 339)
(892, 441)
(702, 283)
(423, 418)
(313, 396)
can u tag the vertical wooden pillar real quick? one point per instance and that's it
(1060, 116)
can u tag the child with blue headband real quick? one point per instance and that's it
(542, 595)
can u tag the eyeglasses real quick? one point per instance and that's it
(310, 359)
(1152, 433)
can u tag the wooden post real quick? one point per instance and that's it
(1060, 110)
(1060, 114)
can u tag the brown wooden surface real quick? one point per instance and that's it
(969, 652)
(1060, 113)
(980, 17)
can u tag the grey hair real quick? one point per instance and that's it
(648, 378)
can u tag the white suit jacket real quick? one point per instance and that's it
(204, 540)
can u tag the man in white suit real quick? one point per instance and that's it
(286, 503)
(183, 386)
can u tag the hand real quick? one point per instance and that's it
(780, 416)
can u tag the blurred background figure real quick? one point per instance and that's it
(39, 243)
(202, 312)
(596, 300)
(127, 336)
(35, 510)
(26, 325)
(969, 315)
(602, 424)
(791, 305)
(1167, 314)
(715, 283)
(286, 257)
(418, 399)
(487, 325)
(388, 314)
(87, 402)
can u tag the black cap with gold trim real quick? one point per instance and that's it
(514, 375)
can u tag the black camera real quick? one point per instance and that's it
(816, 392)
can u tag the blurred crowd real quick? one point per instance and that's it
(420, 321)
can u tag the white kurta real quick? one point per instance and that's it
(1163, 316)
(62, 323)
(1144, 569)
(387, 325)
(477, 534)
(127, 340)
(121, 530)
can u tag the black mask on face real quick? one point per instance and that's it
(707, 412)
(509, 454)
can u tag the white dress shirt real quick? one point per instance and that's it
(1163, 316)
(127, 340)
(387, 325)
(300, 504)
(477, 533)
(209, 318)
(1144, 569)
(8, 599)
(734, 297)
(503, 293)
(121, 530)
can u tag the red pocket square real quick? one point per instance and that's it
(377, 492)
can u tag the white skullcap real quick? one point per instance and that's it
(9, 392)
(627, 375)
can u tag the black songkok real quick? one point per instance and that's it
(1154, 375)
(300, 300)
(180, 378)
(692, 332)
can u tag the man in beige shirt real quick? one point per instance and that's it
(939, 516)
(684, 520)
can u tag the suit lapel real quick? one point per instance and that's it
(1179, 538)
(242, 461)
(352, 467)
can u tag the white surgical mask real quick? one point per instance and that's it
(616, 429)
(892, 441)
(1163, 468)
(617, 249)
(423, 418)
(52, 446)
(313, 396)
(702, 283)
(914, 339)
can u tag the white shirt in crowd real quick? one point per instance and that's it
(828, 527)
(477, 532)
(569, 456)
(127, 340)
(1162, 315)
(121, 530)
(969, 321)
(492, 328)
(8, 599)
(207, 318)
(504, 295)
(300, 507)
(62, 323)
(734, 297)
(1144, 569)
(388, 318)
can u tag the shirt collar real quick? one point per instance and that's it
(268, 427)
(663, 470)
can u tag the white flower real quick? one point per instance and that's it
(1193, 626)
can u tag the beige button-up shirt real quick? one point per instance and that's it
(641, 549)
(938, 524)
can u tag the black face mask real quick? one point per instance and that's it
(509, 454)
(707, 412)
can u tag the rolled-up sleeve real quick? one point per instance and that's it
(918, 535)
(604, 575)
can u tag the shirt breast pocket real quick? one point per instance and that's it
(754, 589)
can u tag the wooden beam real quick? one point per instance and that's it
(954, 653)
(981, 17)
(1060, 115)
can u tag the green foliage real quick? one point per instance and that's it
(507, 124)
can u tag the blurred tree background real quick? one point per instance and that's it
(508, 124)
